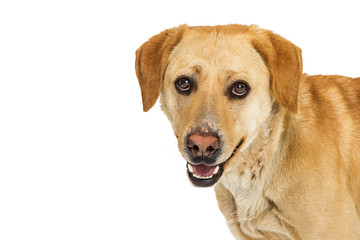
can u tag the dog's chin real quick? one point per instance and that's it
(202, 175)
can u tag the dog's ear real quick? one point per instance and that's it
(151, 61)
(284, 61)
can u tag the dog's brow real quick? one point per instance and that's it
(234, 75)
(197, 69)
(229, 74)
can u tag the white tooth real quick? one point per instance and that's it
(190, 168)
(197, 176)
(201, 177)
(216, 170)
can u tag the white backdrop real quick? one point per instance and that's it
(78, 157)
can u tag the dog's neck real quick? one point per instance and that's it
(246, 173)
(245, 178)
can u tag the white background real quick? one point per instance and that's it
(78, 157)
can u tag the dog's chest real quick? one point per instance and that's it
(254, 211)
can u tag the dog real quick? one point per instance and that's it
(281, 148)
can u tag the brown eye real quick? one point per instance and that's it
(240, 89)
(183, 85)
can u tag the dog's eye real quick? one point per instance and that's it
(183, 85)
(240, 89)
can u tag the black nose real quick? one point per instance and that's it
(203, 147)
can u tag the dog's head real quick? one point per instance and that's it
(217, 85)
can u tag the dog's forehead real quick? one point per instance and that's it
(216, 51)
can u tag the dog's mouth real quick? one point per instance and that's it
(202, 175)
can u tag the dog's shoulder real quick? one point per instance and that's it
(325, 100)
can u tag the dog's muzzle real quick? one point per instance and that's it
(203, 149)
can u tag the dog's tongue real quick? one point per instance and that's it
(203, 170)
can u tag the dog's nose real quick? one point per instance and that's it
(203, 144)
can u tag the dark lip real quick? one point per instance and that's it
(236, 148)
(211, 181)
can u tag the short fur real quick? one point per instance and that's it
(297, 173)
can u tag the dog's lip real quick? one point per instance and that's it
(235, 149)
(202, 175)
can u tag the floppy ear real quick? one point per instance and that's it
(284, 62)
(151, 61)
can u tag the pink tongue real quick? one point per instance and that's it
(203, 170)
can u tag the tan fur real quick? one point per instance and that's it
(297, 173)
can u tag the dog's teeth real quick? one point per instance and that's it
(190, 168)
(201, 177)
(197, 176)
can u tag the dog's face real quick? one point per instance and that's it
(216, 93)
(217, 89)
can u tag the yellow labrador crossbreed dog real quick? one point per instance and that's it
(281, 148)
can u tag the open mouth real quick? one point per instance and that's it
(202, 175)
